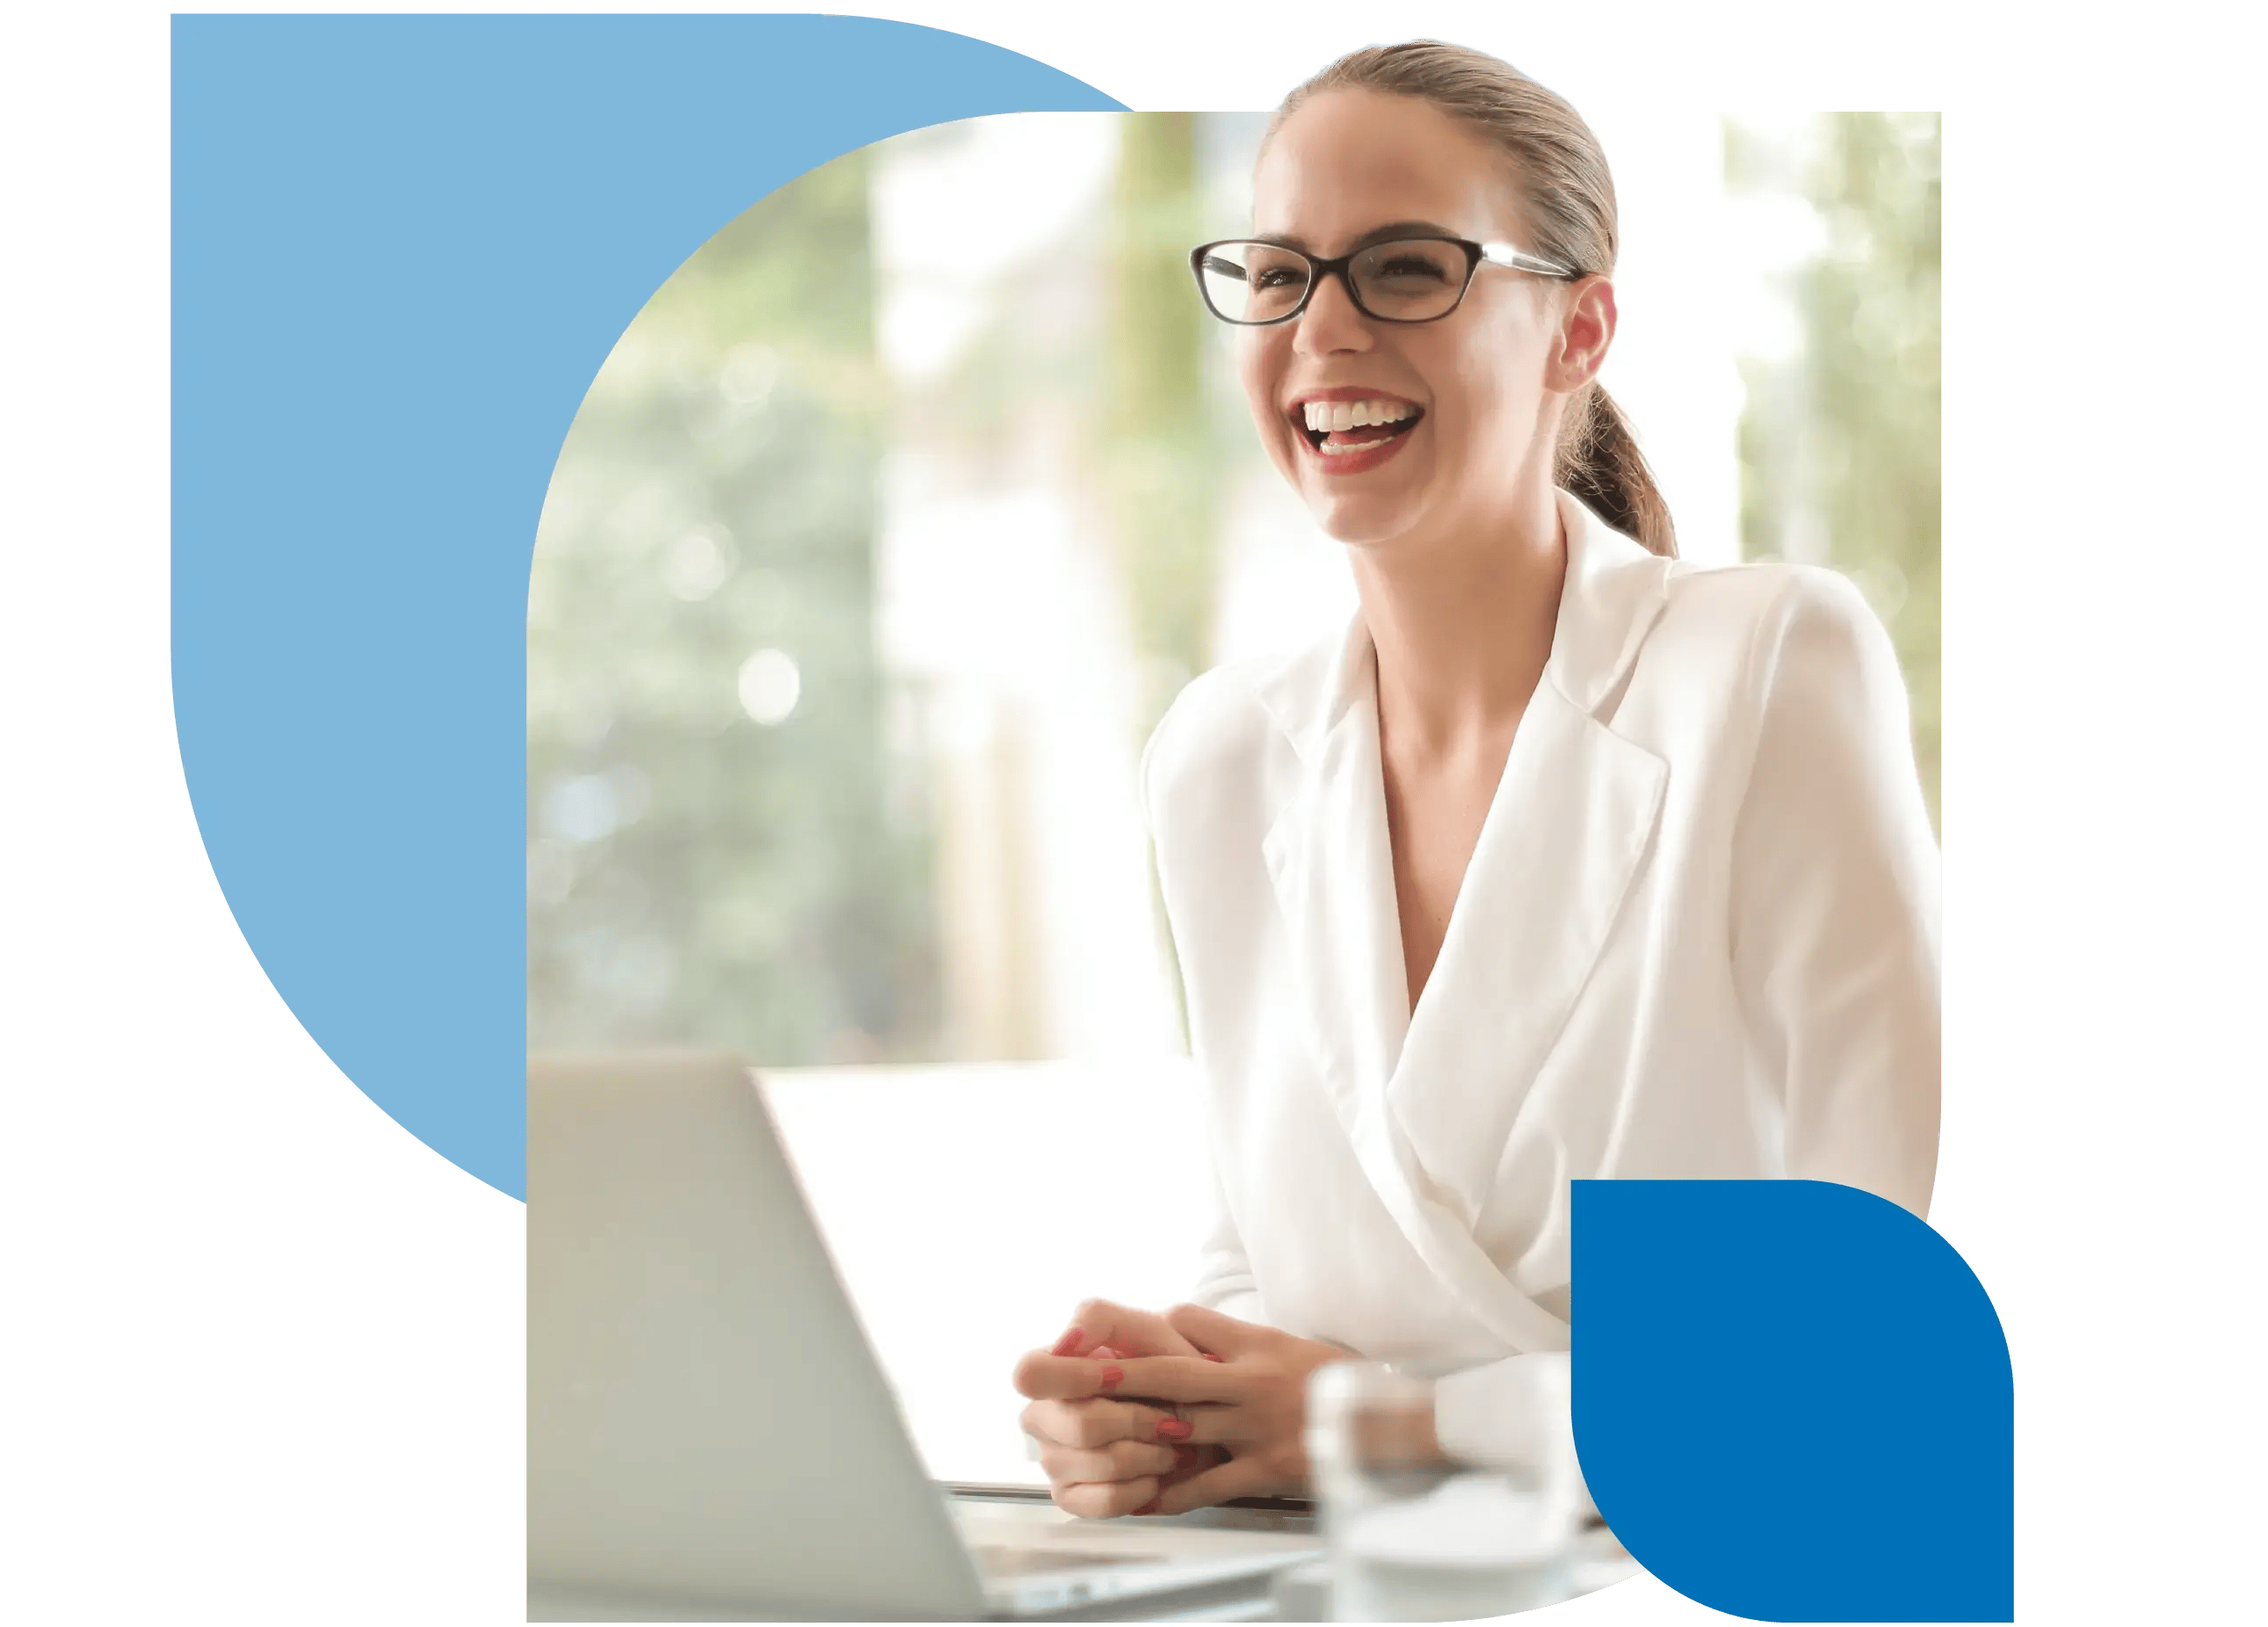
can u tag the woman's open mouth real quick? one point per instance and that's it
(1348, 437)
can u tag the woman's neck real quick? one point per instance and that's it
(1463, 628)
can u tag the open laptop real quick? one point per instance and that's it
(709, 1434)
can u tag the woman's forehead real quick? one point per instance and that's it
(1347, 162)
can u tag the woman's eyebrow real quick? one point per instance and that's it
(1376, 234)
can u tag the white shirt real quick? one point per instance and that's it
(1697, 937)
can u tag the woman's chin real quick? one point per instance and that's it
(1360, 521)
(1367, 509)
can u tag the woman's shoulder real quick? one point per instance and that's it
(1742, 595)
(1753, 618)
(1741, 653)
(1229, 731)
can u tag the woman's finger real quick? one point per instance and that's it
(1210, 1423)
(1108, 1499)
(1091, 1424)
(1237, 1477)
(1166, 1378)
(1043, 1375)
(1188, 1462)
(1126, 1331)
(1212, 1332)
(1121, 1460)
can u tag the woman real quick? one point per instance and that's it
(1565, 861)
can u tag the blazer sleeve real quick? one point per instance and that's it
(1834, 899)
(1833, 923)
(1225, 1282)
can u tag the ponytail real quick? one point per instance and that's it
(1599, 462)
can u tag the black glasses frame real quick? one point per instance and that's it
(1495, 253)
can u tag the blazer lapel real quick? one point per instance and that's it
(1328, 857)
(1427, 1100)
(1569, 822)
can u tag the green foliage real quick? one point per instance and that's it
(694, 875)
(1160, 458)
(1839, 450)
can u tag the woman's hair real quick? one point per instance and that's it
(1570, 211)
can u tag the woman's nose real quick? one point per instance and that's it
(1331, 323)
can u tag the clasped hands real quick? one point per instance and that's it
(1141, 1413)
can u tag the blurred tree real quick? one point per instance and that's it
(1160, 458)
(716, 850)
(1839, 446)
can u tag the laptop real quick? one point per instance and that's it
(709, 1435)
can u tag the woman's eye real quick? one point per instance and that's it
(1274, 278)
(1412, 266)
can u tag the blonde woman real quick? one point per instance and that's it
(1566, 860)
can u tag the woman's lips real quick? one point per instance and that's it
(1376, 443)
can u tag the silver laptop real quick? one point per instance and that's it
(709, 1434)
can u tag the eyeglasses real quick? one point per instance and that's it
(1412, 279)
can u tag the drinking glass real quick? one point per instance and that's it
(1418, 1535)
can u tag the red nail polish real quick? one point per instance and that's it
(1210, 1356)
(1174, 1429)
(1113, 1376)
(1068, 1345)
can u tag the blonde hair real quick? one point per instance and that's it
(1570, 211)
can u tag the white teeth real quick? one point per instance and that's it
(1344, 415)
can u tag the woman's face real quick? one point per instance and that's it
(1347, 167)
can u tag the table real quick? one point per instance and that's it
(1297, 1595)
(1248, 1598)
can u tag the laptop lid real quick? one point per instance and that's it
(705, 1418)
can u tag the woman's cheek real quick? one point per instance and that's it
(1276, 438)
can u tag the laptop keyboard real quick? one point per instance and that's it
(1000, 1560)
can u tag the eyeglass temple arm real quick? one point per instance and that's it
(1505, 254)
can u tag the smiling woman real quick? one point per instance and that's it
(1562, 859)
(850, 617)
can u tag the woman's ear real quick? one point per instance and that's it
(1587, 328)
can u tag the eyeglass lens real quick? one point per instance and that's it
(1408, 281)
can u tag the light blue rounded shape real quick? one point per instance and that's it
(402, 247)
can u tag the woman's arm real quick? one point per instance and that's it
(1224, 1281)
(1835, 954)
(1833, 916)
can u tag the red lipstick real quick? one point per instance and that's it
(1368, 454)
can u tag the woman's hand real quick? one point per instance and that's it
(1249, 1396)
(1106, 1451)
(1244, 1390)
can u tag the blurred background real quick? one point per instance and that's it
(900, 514)
(894, 522)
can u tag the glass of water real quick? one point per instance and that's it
(1417, 1535)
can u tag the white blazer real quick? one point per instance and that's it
(1697, 938)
